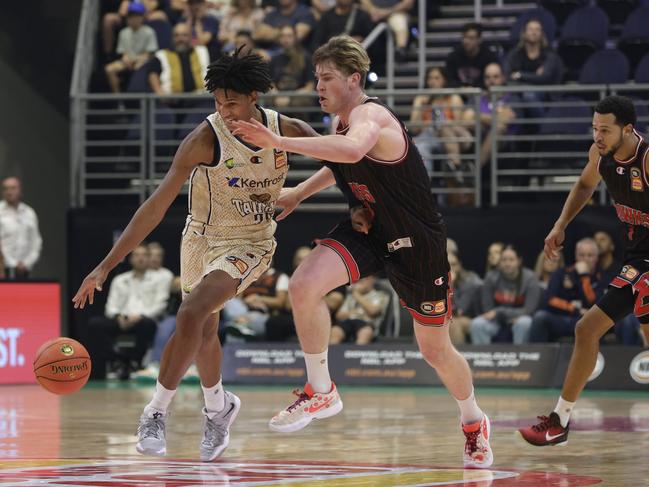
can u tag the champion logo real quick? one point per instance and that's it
(619, 170)
(439, 281)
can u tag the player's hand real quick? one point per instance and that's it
(255, 133)
(90, 284)
(553, 243)
(289, 199)
(361, 219)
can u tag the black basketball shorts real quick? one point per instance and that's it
(628, 292)
(416, 266)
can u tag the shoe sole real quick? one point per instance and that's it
(219, 452)
(561, 443)
(490, 460)
(304, 422)
(150, 453)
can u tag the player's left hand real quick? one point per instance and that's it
(255, 133)
(90, 284)
(361, 219)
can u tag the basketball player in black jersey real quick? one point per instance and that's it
(394, 226)
(619, 156)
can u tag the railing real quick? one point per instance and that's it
(545, 148)
(81, 72)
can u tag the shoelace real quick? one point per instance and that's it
(471, 445)
(543, 425)
(151, 427)
(301, 397)
(214, 433)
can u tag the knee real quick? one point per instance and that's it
(584, 332)
(301, 289)
(188, 320)
(435, 353)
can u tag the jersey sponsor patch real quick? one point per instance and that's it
(433, 307)
(259, 206)
(629, 272)
(280, 158)
(636, 180)
(231, 164)
(399, 243)
(238, 263)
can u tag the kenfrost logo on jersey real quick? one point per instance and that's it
(237, 182)
(9, 355)
(259, 206)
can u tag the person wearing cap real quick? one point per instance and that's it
(135, 44)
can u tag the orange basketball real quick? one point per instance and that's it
(62, 365)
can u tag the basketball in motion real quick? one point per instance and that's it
(62, 365)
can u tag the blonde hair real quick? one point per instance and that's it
(346, 54)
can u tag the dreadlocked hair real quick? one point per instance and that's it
(243, 73)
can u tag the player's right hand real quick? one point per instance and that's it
(553, 243)
(288, 200)
(90, 284)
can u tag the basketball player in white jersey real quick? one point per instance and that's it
(227, 242)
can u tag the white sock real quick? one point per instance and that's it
(563, 409)
(161, 400)
(317, 371)
(469, 410)
(214, 397)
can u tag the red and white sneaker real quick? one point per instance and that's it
(477, 452)
(308, 406)
(548, 432)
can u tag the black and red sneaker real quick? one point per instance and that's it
(547, 432)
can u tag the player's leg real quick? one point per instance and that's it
(453, 370)
(322, 271)
(221, 406)
(181, 350)
(614, 305)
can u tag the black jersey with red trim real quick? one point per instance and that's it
(628, 184)
(396, 192)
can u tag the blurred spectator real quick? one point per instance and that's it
(465, 65)
(451, 246)
(204, 27)
(494, 251)
(135, 302)
(247, 314)
(135, 44)
(181, 69)
(466, 299)
(608, 264)
(359, 318)
(243, 40)
(288, 12)
(112, 21)
(345, 18)
(320, 7)
(571, 292)
(20, 239)
(291, 70)
(396, 13)
(532, 61)
(440, 115)
(510, 295)
(240, 15)
(493, 76)
(156, 261)
(544, 268)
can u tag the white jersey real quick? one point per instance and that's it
(234, 196)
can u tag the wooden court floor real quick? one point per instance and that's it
(384, 437)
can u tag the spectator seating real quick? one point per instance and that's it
(585, 31)
(606, 66)
(634, 40)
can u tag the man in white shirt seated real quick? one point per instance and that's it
(136, 300)
(20, 240)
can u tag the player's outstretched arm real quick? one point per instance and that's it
(365, 123)
(196, 148)
(290, 198)
(581, 192)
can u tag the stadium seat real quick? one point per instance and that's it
(561, 9)
(163, 33)
(544, 16)
(634, 41)
(617, 10)
(642, 70)
(571, 117)
(615, 64)
(585, 31)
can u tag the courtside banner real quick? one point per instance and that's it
(389, 364)
(619, 367)
(30, 314)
